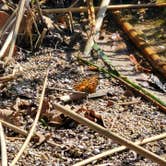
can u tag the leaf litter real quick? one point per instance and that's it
(67, 141)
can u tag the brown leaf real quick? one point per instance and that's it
(91, 115)
(138, 66)
(5, 114)
(57, 119)
(22, 104)
(3, 18)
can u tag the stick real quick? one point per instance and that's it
(40, 11)
(119, 149)
(22, 131)
(16, 29)
(110, 7)
(6, 45)
(114, 73)
(124, 80)
(3, 147)
(148, 51)
(13, 127)
(8, 24)
(109, 134)
(99, 20)
(32, 130)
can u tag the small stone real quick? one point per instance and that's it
(96, 151)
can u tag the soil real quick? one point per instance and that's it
(69, 142)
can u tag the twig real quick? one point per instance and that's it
(110, 7)
(13, 127)
(40, 39)
(39, 11)
(23, 132)
(6, 45)
(7, 78)
(3, 147)
(32, 130)
(16, 29)
(111, 135)
(99, 20)
(9, 22)
(119, 149)
(147, 50)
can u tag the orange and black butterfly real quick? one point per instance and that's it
(88, 84)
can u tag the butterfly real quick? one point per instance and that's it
(88, 84)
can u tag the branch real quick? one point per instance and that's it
(119, 149)
(3, 147)
(110, 7)
(32, 130)
(103, 131)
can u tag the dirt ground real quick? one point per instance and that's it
(68, 142)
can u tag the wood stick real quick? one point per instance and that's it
(40, 11)
(119, 149)
(148, 52)
(109, 134)
(32, 130)
(131, 85)
(16, 29)
(110, 7)
(99, 20)
(6, 45)
(3, 147)
(13, 127)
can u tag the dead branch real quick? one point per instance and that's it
(3, 147)
(32, 130)
(99, 20)
(16, 29)
(111, 135)
(110, 7)
(119, 149)
(148, 51)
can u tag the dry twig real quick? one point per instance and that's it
(3, 147)
(119, 149)
(99, 20)
(32, 130)
(16, 29)
(111, 135)
(110, 7)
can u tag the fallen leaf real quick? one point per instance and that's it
(133, 59)
(138, 66)
(5, 114)
(92, 68)
(91, 115)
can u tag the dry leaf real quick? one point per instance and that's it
(92, 68)
(138, 67)
(5, 114)
(87, 85)
(3, 18)
(92, 115)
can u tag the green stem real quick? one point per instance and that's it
(115, 74)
